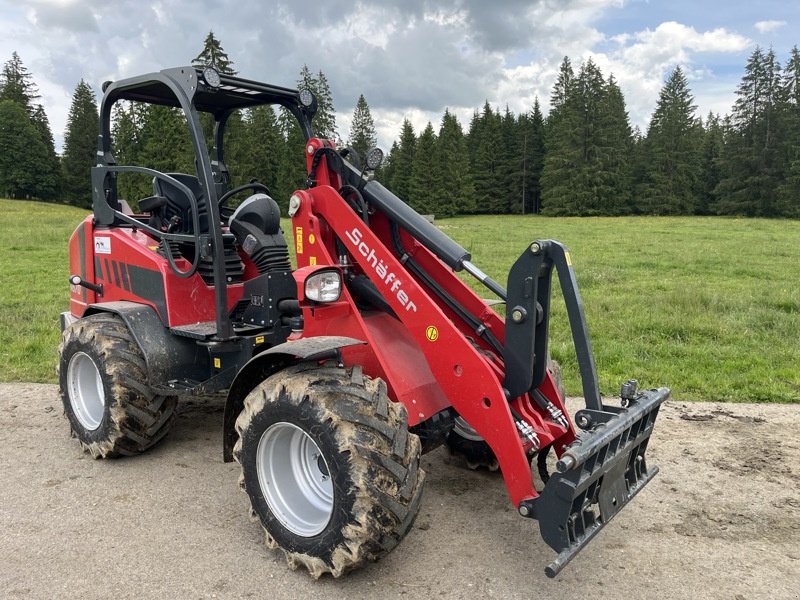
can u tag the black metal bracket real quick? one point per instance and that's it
(528, 316)
(597, 476)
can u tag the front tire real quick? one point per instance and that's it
(102, 376)
(329, 465)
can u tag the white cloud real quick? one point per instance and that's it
(641, 60)
(68, 15)
(672, 43)
(768, 26)
(409, 59)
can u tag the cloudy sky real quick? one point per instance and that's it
(410, 58)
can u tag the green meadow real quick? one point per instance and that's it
(707, 306)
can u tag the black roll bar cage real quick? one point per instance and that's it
(186, 88)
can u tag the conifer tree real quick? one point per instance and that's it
(753, 162)
(710, 169)
(21, 150)
(387, 170)
(324, 121)
(80, 146)
(266, 149)
(508, 191)
(453, 191)
(127, 124)
(325, 118)
(213, 55)
(165, 143)
(789, 189)
(533, 150)
(16, 84)
(48, 185)
(362, 130)
(293, 170)
(237, 151)
(575, 148)
(402, 162)
(234, 142)
(558, 147)
(485, 140)
(424, 180)
(672, 150)
(587, 109)
(562, 88)
(613, 176)
(563, 155)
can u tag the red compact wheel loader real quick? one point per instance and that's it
(340, 372)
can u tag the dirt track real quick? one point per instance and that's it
(721, 520)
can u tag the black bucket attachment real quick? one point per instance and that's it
(597, 475)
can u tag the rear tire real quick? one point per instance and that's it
(468, 447)
(329, 465)
(103, 381)
(465, 444)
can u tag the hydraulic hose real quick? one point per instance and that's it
(470, 319)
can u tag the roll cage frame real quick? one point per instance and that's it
(188, 89)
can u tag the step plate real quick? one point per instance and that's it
(196, 331)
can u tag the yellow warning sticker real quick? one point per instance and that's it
(298, 239)
(217, 363)
(432, 333)
(312, 238)
(312, 260)
(569, 258)
(259, 339)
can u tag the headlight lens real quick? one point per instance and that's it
(324, 286)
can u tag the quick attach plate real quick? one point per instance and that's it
(602, 471)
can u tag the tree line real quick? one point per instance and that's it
(583, 158)
(586, 159)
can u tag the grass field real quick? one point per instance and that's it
(707, 306)
(34, 289)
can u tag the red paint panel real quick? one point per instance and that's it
(121, 251)
(80, 245)
(459, 370)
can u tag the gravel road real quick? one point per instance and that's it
(721, 520)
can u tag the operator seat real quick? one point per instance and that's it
(256, 223)
(178, 204)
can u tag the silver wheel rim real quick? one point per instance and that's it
(85, 388)
(465, 430)
(295, 479)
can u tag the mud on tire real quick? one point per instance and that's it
(363, 464)
(102, 377)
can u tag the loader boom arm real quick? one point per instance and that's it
(492, 372)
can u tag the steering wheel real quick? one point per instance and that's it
(253, 185)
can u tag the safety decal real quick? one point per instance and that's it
(312, 260)
(432, 333)
(298, 239)
(217, 363)
(312, 238)
(102, 245)
(569, 258)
